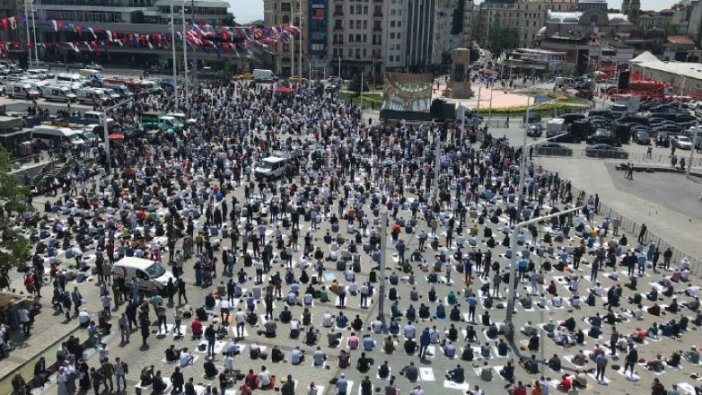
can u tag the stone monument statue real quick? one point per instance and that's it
(458, 86)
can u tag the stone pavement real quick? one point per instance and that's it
(138, 357)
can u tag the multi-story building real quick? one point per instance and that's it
(421, 19)
(526, 16)
(366, 36)
(318, 42)
(289, 54)
(125, 16)
(452, 21)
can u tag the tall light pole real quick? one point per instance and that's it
(175, 65)
(301, 33)
(522, 161)
(186, 99)
(106, 132)
(513, 262)
(693, 147)
(381, 276)
(34, 31)
(192, 16)
(29, 51)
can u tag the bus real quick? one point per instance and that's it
(55, 137)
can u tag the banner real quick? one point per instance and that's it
(407, 92)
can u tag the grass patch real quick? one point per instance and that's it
(368, 98)
(539, 108)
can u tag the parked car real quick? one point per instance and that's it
(642, 137)
(682, 142)
(605, 151)
(535, 130)
(554, 149)
(601, 139)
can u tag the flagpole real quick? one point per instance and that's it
(185, 66)
(300, 28)
(34, 29)
(29, 51)
(175, 66)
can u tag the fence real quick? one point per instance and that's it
(630, 226)
(633, 228)
(635, 157)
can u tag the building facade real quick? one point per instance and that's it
(127, 16)
(288, 58)
(526, 16)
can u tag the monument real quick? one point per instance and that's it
(458, 86)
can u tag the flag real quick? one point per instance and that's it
(92, 31)
(73, 47)
(13, 22)
(109, 35)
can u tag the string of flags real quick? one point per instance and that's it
(218, 38)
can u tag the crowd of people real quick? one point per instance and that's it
(304, 251)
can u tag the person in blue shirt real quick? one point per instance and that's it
(410, 372)
(641, 262)
(424, 340)
(456, 375)
(450, 350)
(297, 356)
(368, 342)
(341, 320)
(342, 385)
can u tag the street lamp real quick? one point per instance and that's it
(106, 132)
(513, 262)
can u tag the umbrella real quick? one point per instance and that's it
(284, 89)
(116, 136)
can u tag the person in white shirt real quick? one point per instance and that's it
(327, 320)
(264, 377)
(377, 326)
(308, 300)
(186, 358)
(556, 301)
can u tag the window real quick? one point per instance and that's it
(364, 52)
(350, 53)
(365, 10)
(392, 23)
(365, 38)
(365, 23)
(351, 10)
(398, 37)
(359, 8)
(350, 38)
(285, 7)
(358, 38)
(358, 53)
(392, 35)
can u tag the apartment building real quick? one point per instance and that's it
(128, 16)
(527, 16)
(453, 28)
(286, 55)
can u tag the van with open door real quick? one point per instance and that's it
(151, 276)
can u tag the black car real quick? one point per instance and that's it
(599, 139)
(553, 149)
(642, 137)
(605, 151)
(535, 130)
(332, 88)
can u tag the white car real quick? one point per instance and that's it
(683, 142)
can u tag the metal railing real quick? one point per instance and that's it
(631, 227)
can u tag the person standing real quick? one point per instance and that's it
(601, 362)
(121, 371)
(642, 234)
(181, 291)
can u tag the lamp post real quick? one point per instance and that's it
(175, 66)
(522, 161)
(106, 132)
(693, 147)
(381, 275)
(185, 65)
(513, 262)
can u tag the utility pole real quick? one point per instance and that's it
(175, 62)
(186, 100)
(381, 275)
(693, 148)
(301, 33)
(29, 51)
(34, 31)
(192, 15)
(339, 67)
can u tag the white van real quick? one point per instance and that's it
(264, 75)
(555, 126)
(55, 137)
(271, 167)
(22, 90)
(91, 96)
(58, 93)
(151, 276)
(69, 78)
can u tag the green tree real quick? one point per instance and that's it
(14, 248)
(503, 38)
